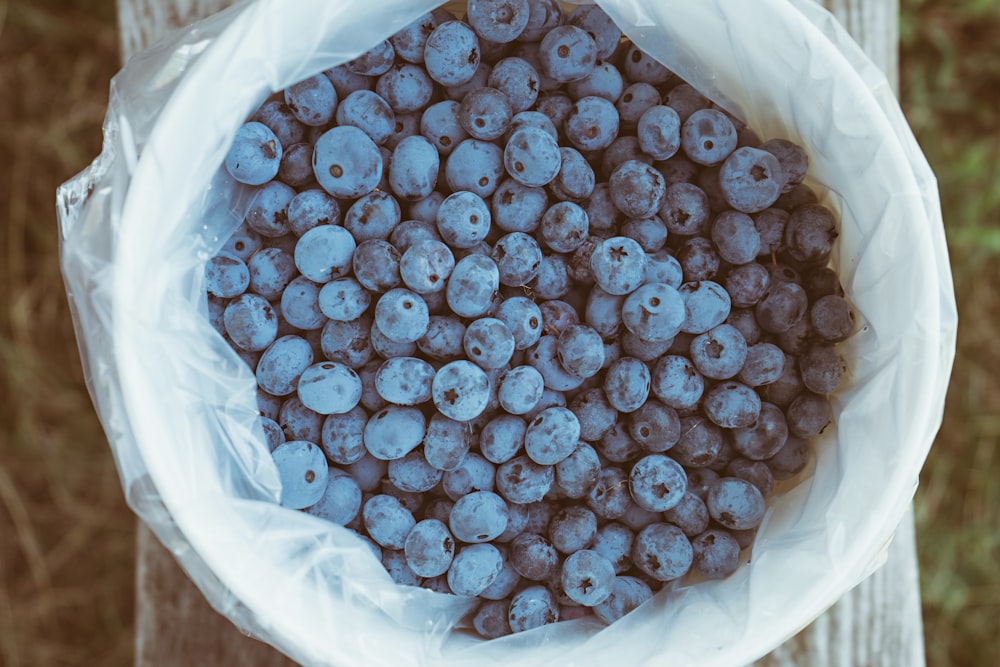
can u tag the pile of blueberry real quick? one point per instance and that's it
(531, 315)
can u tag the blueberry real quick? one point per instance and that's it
(502, 437)
(474, 568)
(429, 548)
(720, 352)
(746, 323)
(716, 554)
(708, 137)
(348, 343)
(532, 157)
(368, 472)
(600, 26)
(662, 551)
(544, 356)
(685, 209)
(658, 132)
(735, 237)
(518, 81)
(821, 368)
(405, 380)
(650, 233)
(394, 431)
(273, 435)
(618, 265)
(677, 382)
(276, 115)
(346, 162)
(282, 363)
(609, 497)
(790, 459)
(518, 258)
(498, 20)
(387, 521)
(627, 593)
(746, 284)
(735, 503)
(341, 501)
(299, 422)
(533, 556)
(521, 480)
(346, 82)
(640, 66)
(254, 155)
(463, 219)
(750, 179)
(553, 279)
(567, 53)
(268, 214)
(439, 124)
(490, 619)
(303, 471)
(588, 577)
(446, 443)
(296, 165)
(426, 266)
(485, 113)
(533, 119)
(343, 436)
(690, 514)
(243, 242)
(627, 384)
(654, 312)
(617, 445)
(401, 315)
(655, 426)
(475, 473)
(406, 88)
(413, 168)
(344, 299)
(591, 124)
(809, 234)
(311, 208)
(787, 387)
(376, 60)
(520, 389)
(460, 390)
(575, 180)
(488, 342)
(476, 166)
(312, 100)
(700, 443)
(732, 405)
(480, 516)
(532, 607)
(443, 340)
(373, 216)
(698, 259)
(756, 472)
(580, 350)
(324, 253)
(329, 388)
(517, 207)
(505, 584)
(792, 159)
(707, 305)
(251, 322)
(552, 436)
(636, 99)
(685, 99)
(764, 364)
(782, 306)
(451, 53)
(832, 318)
(770, 224)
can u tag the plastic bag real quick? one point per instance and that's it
(179, 407)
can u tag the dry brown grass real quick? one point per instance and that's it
(66, 537)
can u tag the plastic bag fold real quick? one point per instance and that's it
(179, 407)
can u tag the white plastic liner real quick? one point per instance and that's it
(179, 407)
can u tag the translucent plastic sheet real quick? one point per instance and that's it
(179, 407)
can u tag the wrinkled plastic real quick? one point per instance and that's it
(179, 407)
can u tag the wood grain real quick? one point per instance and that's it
(878, 624)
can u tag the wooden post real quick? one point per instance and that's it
(878, 624)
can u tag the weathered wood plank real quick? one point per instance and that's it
(878, 624)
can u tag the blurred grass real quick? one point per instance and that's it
(950, 88)
(66, 536)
